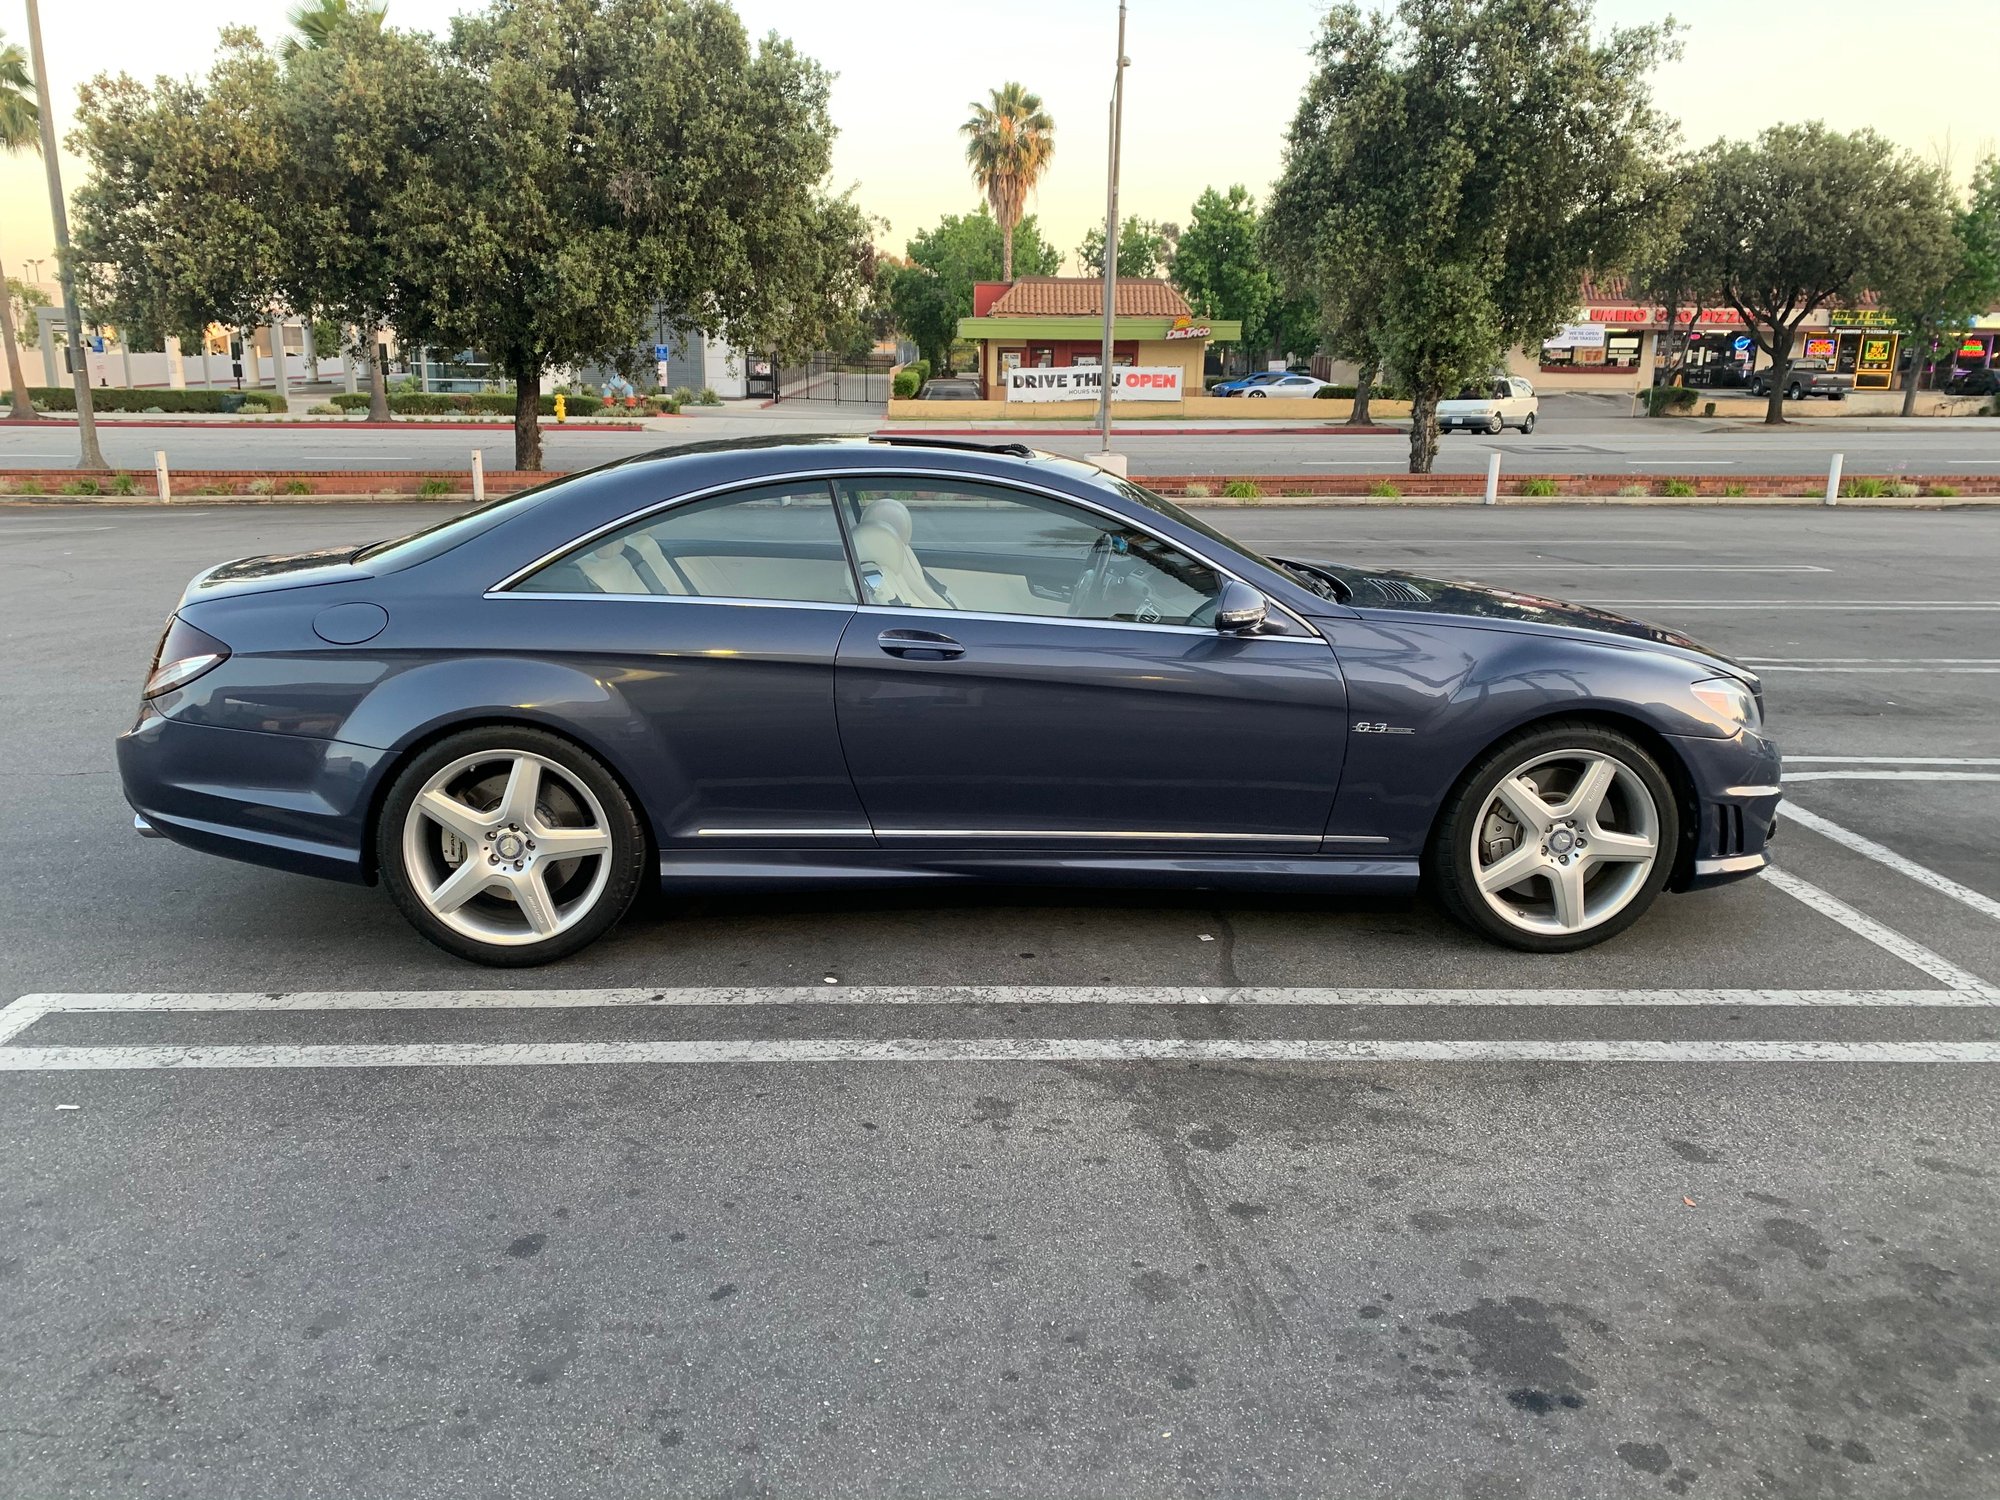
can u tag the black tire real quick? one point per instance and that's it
(627, 859)
(1495, 425)
(1448, 860)
(1527, 424)
(1791, 393)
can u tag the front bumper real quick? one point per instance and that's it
(280, 800)
(1737, 790)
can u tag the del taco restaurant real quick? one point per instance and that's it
(1041, 342)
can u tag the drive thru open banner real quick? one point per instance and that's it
(1083, 383)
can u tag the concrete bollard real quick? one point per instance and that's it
(478, 476)
(1493, 480)
(1833, 479)
(160, 474)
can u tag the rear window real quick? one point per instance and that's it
(442, 536)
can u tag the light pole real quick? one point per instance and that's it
(34, 270)
(91, 456)
(1105, 458)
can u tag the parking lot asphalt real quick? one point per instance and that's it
(1020, 1192)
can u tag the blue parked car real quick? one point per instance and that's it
(825, 661)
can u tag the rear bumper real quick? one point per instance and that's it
(1737, 792)
(280, 800)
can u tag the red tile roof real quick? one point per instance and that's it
(1083, 296)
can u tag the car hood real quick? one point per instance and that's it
(1376, 590)
(278, 570)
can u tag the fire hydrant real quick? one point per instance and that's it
(562, 407)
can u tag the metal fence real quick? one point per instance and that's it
(828, 377)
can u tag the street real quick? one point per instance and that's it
(1577, 435)
(1031, 1192)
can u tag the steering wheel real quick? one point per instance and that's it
(1088, 593)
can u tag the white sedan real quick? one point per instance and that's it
(1491, 406)
(1288, 385)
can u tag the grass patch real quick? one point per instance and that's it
(1540, 487)
(1633, 489)
(708, 397)
(1196, 491)
(1381, 489)
(1678, 489)
(297, 487)
(261, 487)
(213, 489)
(1736, 489)
(124, 484)
(1943, 491)
(1902, 489)
(1241, 489)
(433, 487)
(1864, 489)
(82, 487)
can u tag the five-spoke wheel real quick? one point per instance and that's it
(510, 846)
(1560, 838)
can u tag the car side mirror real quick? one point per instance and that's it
(1240, 609)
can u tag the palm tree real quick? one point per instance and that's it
(20, 129)
(315, 21)
(1008, 143)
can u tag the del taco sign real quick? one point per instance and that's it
(1187, 328)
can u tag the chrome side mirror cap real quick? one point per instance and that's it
(1240, 610)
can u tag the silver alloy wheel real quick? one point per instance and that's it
(1565, 842)
(507, 847)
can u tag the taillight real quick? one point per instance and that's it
(184, 654)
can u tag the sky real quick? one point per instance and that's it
(1209, 95)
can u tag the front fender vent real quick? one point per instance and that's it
(1397, 590)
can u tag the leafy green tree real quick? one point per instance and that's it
(1145, 248)
(597, 160)
(317, 22)
(20, 130)
(1470, 161)
(1009, 142)
(1220, 265)
(931, 293)
(182, 220)
(1937, 296)
(1671, 269)
(1804, 217)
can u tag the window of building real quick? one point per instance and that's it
(774, 542)
(993, 550)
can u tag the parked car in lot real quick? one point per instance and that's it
(1289, 383)
(1244, 384)
(1492, 406)
(765, 664)
(1806, 378)
(1973, 383)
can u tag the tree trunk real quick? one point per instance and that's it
(1423, 428)
(527, 414)
(1364, 393)
(24, 408)
(1781, 371)
(1920, 346)
(378, 380)
(1007, 251)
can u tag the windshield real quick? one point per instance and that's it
(442, 536)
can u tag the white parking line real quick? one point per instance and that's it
(1897, 760)
(1892, 776)
(1935, 606)
(1882, 854)
(1928, 671)
(1890, 941)
(1900, 661)
(1005, 1050)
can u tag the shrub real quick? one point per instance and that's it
(666, 406)
(683, 395)
(297, 487)
(1538, 486)
(1863, 489)
(1241, 489)
(1381, 489)
(30, 487)
(1196, 490)
(1904, 490)
(260, 487)
(124, 484)
(1668, 398)
(268, 402)
(1943, 491)
(905, 385)
(155, 411)
(923, 369)
(1708, 408)
(1679, 489)
(324, 409)
(435, 486)
(82, 487)
(709, 398)
(1736, 489)
(117, 398)
(1633, 489)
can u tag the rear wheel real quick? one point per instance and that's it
(509, 846)
(1527, 424)
(1561, 838)
(1791, 393)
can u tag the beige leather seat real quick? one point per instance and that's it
(608, 570)
(889, 567)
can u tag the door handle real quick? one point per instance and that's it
(919, 645)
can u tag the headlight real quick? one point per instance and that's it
(1729, 700)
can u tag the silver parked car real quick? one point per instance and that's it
(1491, 406)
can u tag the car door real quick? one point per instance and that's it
(1026, 670)
(717, 621)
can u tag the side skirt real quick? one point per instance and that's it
(682, 869)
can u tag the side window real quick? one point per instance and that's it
(777, 541)
(964, 546)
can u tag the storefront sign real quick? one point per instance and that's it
(1972, 348)
(1861, 317)
(1577, 336)
(1820, 346)
(1081, 383)
(1630, 316)
(1187, 328)
(1878, 353)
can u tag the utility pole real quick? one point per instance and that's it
(91, 457)
(1105, 458)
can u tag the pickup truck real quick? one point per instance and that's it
(1806, 377)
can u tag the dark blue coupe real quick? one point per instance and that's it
(820, 661)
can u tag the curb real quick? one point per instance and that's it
(1001, 434)
(348, 424)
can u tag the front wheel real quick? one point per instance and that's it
(1559, 839)
(1527, 424)
(510, 846)
(1495, 425)
(1791, 393)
